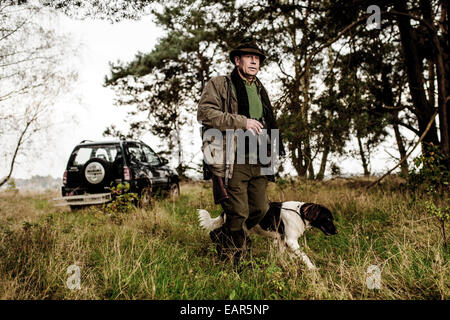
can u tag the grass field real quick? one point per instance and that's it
(161, 253)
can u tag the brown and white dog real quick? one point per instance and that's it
(285, 222)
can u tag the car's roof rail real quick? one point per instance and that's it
(85, 141)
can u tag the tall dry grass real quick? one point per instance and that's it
(162, 253)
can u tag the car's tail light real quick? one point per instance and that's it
(126, 173)
(65, 178)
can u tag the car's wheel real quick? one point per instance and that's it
(174, 191)
(145, 197)
(96, 172)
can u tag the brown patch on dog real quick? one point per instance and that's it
(310, 211)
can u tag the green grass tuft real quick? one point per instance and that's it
(162, 253)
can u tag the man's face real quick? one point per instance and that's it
(248, 64)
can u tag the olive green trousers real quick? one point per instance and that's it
(247, 201)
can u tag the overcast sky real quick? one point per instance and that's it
(89, 109)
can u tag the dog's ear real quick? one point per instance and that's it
(311, 211)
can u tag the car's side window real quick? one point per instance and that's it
(152, 157)
(82, 155)
(136, 154)
(107, 153)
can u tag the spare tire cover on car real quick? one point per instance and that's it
(95, 171)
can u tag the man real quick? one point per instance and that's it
(233, 102)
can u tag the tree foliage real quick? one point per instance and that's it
(33, 75)
(110, 10)
(166, 83)
(339, 79)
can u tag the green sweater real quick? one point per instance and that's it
(255, 111)
(254, 102)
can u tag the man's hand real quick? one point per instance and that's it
(254, 126)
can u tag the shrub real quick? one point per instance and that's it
(123, 200)
(432, 175)
(432, 178)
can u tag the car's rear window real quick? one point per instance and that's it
(106, 152)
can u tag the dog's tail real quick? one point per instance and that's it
(208, 223)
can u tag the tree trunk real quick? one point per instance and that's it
(400, 145)
(414, 70)
(309, 163)
(388, 97)
(363, 158)
(298, 160)
(441, 60)
(16, 150)
(323, 164)
(443, 79)
(305, 110)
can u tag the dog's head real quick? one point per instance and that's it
(319, 217)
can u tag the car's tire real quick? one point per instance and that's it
(145, 197)
(96, 172)
(174, 191)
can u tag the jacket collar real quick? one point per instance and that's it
(256, 81)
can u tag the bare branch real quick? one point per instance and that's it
(409, 127)
(26, 60)
(13, 31)
(16, 150)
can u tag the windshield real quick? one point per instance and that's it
(109, 153)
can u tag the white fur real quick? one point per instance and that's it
(208, 223)
(293, 228)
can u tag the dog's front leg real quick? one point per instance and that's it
(293, 245)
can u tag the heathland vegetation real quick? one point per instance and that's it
(341, 87)
(160, 252)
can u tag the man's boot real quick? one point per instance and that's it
(239, 245)
(224, 244)
(230, 244)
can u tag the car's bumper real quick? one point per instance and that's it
(84, 196)
(85, 199)
(73, 191)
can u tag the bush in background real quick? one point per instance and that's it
(432, 179)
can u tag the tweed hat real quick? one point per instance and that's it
(247, 46)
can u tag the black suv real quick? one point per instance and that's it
(94, 167)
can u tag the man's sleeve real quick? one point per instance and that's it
(210, 113)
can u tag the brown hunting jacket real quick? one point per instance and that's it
(213, 112)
